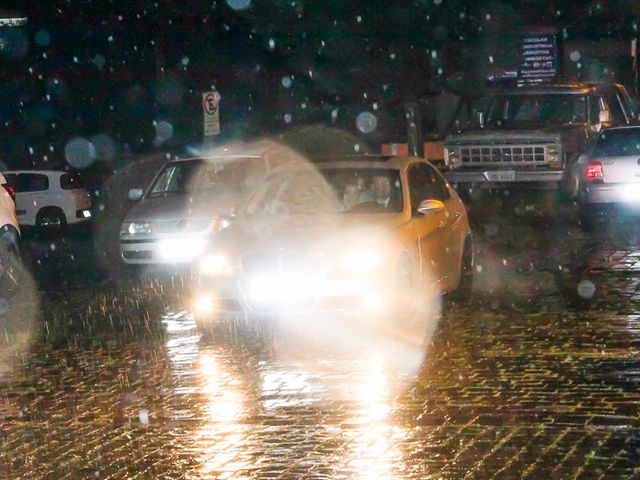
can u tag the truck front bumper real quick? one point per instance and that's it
(504, 176)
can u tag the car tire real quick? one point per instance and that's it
(51, 219)
(462, 294)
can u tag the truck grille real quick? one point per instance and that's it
(530, 154)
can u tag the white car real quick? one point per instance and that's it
(49, 198)
(191, 199)
(607, 177)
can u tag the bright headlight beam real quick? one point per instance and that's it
(362, 261)
(181, 248)
(215, 265)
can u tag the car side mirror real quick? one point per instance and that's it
(604, 118)
(429, 207)
(135, 194)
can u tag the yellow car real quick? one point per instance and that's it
(353, 235)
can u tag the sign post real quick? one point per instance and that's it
(211, 113)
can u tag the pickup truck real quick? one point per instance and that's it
(530, 136)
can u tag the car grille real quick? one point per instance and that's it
(529, 154)
(175, 226)
(137, 255)
(283, 264)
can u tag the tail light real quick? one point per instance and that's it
(11, 190)
(594, 171)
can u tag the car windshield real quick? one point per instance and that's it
(614, 143)
(330, 190)
(207, 177)
(522, 110)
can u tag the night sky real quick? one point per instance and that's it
(127, 76)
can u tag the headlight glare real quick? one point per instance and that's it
(361, 261)
(215, 265)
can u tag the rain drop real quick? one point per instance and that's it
(366, 122)
(575, 56)
(287, 118)
(42, 38)
(239, 4)
(586, 289)
(286, 82)
(79, 152)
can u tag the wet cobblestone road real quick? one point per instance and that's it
(532, 380)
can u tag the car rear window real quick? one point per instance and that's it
(28, 182)
(613, 143)
(71, 181)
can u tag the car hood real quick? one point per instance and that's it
(296, 234)
(180, 207)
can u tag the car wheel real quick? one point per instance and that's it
(51, 219)
(462, 294)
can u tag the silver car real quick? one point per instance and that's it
(189, 200)
(609, 173)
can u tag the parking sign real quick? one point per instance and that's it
(211, 113)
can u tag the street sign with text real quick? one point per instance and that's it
(211, 113)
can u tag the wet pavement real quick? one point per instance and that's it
(537, 378)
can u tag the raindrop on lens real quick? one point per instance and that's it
(286, 82)
(164, 130)
(575, 56)
(586, 289)
(79, 153)
(42, 38)
(239, 4)
(366, 122)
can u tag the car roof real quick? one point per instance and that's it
(385, 162)
(622, 127)
(42, 172)
(214, 157)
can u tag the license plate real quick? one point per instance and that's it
(501, 176)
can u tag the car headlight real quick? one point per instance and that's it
(553, 154)
(361, 261)
(215, 265)
(135, 228)
(450, 157)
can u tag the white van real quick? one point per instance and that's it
(49, 199)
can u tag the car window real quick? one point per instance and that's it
(426, 184)
(617, 115)
(329, 190)
(623, 98)
(620, 142)
(29, 182)
(518, 110)
(71, 181)
(202, 176)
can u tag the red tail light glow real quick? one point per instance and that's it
(594, 171)
(11, 190)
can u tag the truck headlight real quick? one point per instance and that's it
(451, 156)
(215, 265)
(135, 228)
(553, 155)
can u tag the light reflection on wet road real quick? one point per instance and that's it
(532, 382)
